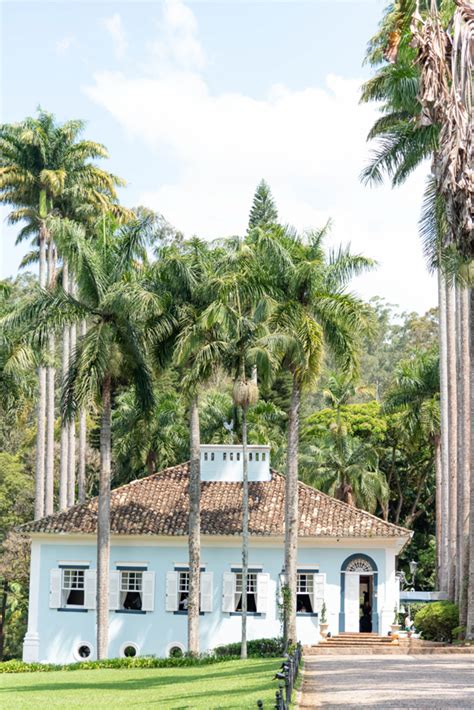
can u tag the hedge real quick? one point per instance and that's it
(258, 648)
(16, 666)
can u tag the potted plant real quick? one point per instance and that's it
(323, 622)
(395, 627)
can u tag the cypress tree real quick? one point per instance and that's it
(263, 210)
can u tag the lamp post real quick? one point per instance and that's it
(413, 568)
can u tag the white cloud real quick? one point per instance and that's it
(178, 43)
(64, 44)
(308, 144)
(114, 27)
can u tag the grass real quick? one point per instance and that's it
(230, 684)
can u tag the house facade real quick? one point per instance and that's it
(346, 559)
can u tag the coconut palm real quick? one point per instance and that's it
(45, 168)
(112, 298)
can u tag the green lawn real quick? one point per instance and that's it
(231, 684)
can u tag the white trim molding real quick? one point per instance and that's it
(31, 642)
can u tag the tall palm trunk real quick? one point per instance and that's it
(63, 464)
(71, 458)
(245, 533)
(50, 413)
(291, 523)
(194, 530)
(443, 492)
(452, 421)
(470, 585)
(81, 472)
(103, 520)
(464, 452)
(41, 411)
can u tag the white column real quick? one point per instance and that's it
(32, 640)
(388, 598)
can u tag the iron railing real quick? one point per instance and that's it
(287, 675)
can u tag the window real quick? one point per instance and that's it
(250, 457)
(231, 456)
(131, 589)
(264, 457)
(251, 591)
(212, 457)
(82, 651)
(304, 593)
(257, 456)
(183, 590)
(72, 589)
(205, 456)
(238, 456)
(129, 650)
(177, 591)
(224, 456)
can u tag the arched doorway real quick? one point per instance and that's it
(359, 587)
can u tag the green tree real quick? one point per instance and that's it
(44, 167)
(263, 211)
(314, 312)
(118, 307)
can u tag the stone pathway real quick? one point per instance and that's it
(430, 682)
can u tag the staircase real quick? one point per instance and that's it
(354, 644)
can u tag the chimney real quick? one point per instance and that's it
(224, 463)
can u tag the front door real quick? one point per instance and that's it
(351, 601)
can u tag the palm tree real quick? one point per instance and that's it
(186, 272)
(112, 298)
(314, 312)
(347, 468)
(44, 168)
(237, 317)
(442, 46)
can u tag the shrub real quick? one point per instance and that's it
(437, 620)
(258, 648)
(16, 666)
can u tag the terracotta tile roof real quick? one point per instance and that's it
(158, 505)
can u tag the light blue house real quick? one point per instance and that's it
(346, 558)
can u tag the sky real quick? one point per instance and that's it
(197, 101)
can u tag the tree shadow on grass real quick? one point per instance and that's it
(151, 680)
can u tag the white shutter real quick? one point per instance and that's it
(55, 588)
(90, 588)
(206, 591)
(263, 580)
(148, 591)
(228, 591)
(171, 591)
(319, 581)
(114, 590)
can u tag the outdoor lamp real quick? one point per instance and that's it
(413, 566)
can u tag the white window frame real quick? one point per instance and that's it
(251, 588)
(77, 646)
(126, 645)
(65, 591)
(307, 591)
(137, 586)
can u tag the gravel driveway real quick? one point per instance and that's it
(388, 682)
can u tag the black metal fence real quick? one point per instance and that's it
(287, 676)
